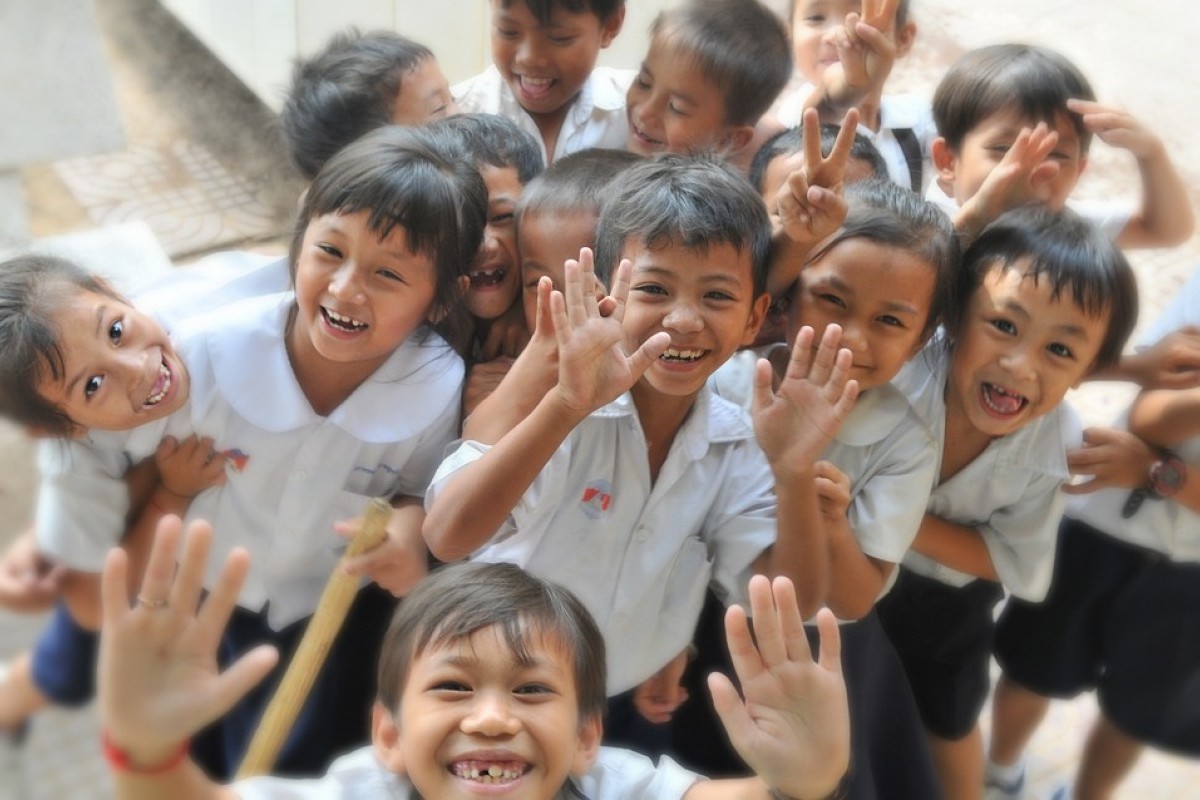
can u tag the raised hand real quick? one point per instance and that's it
(866, 54)
(593, 368)
(1022, 176)
(158, 676)
(796, 422)
(792, 724)
(809, 205)
(1116, 127)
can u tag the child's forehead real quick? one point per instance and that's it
(556, 14)
(523, 644)
(675, 255)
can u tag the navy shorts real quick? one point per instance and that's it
(1122, 620)
(943, 635)
(63, 665)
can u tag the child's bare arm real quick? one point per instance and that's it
(865, 59)
(1166, 417)
(794, 425)
(809, 206)
(1109, 458)
(1165, 218)
(792, 725)
(28, 582)
(855, 578)
(158, 677)
(959, 547)
(593, 370)
(402, 560)
(1022, 176)
(1173, 362)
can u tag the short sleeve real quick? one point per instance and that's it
(1021, 538)
(626, 775)
(82, 503)
(887, 508)
(742, 523)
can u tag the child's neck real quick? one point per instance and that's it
(326, 384)
(962, 442)
(661, 417)
(549, 126)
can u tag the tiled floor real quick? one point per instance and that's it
(203, 170)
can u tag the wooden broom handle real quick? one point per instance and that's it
(285, 705)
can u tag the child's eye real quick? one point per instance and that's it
(814, 19)
(642, 81)
(832, 299)
(533, 688)
(501, 219)
(1004, 326)
(116, 331)
(888, 319)
(450, 686)
(92, 385)
(1060, 350)
(650, 288)
(562, 41)
(715, 295)
(674, 109)
(997, 149)
(1058, 155)
(329, 250)
(506, 34)
(391, 275)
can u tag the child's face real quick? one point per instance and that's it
(424, 95)
(546, 241)
(985, 146)
(474, 721)
(119, 368)
(704, 299)
(880, 295)
(358, 297)
(494, 279)
(673, 108)
(815, 24)
(546, 66)
(1019, 351)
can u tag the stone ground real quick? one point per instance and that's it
(203, 170)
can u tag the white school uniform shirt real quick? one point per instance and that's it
(1183, 310)
(293, 473)
(83, 501)
(1011, 493)
(890, 459)
(1108, 218)
(896, 111)
(617, 775)
(640, 557)
(595, 118)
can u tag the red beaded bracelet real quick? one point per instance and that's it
(118, 759)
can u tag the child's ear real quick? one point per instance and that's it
(611, 26)
(591, 731)
(945, 162)
(737, 138)
(905, 37)
(758, 315)
(385, 737)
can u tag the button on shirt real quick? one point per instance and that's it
(596, 118)
(294, 473)
(1011, 492)
(639, 556)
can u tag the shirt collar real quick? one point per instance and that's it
(711, 420)
(391, 405)
(876, 414)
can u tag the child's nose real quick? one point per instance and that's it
(491, 715)
(1018, 362)
(530, 51)
(853, 338)
(683, 317)
(345, 284)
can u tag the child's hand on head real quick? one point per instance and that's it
(1109, 458)
(188, 467)
(795, 423)
(793, 725)
(1173, 362)
(157, 676)
(833, 491)
(810, 205)
(402, 560)
(1116, 127)
(593, 368)
(658, 697)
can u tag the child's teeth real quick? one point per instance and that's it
(488, 773)
(343, 320)
(165, 378)
(1002, 401)
(682, 355)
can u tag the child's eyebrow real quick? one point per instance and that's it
(1074, 331)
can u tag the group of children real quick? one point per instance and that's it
(695, 347)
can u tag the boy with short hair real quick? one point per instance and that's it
(630, 480)
(544, 75)
(712, 70)
(356, 83)
(490, 680)
(1014, 125)
(777, 159)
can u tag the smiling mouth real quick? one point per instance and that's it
(643, 137)
(489, 772)
(162, 386)
(342, 322)
(486, 278)
(681, 355)
(535, 87)
(1002, 402)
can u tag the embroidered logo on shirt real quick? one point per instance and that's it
(235, 458)
(596, 499)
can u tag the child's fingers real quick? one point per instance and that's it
(114, 598)
(765, 616)
(826, 360)
(812, 138)
(160, 566)
(587, 279)
(189, 578)
(243, 675)
(558, 312)
(543, 319)
(798, 364)
(620, 290)
(830, 657)
(746, 660)
(791, 624)
(834, 166)
(573, 294)
(763, 378)
(222, 598)
(650, 350)
(730, 710)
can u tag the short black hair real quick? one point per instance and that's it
(493, 140)
(421, 180)
(543, 10)
(741, 46)
(893, 216)
(31, 288)
(1034, 81)
(346, 89)
(1070, 253)
(791, 141)
(459, 600)
(695, 201)
(574, 183)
